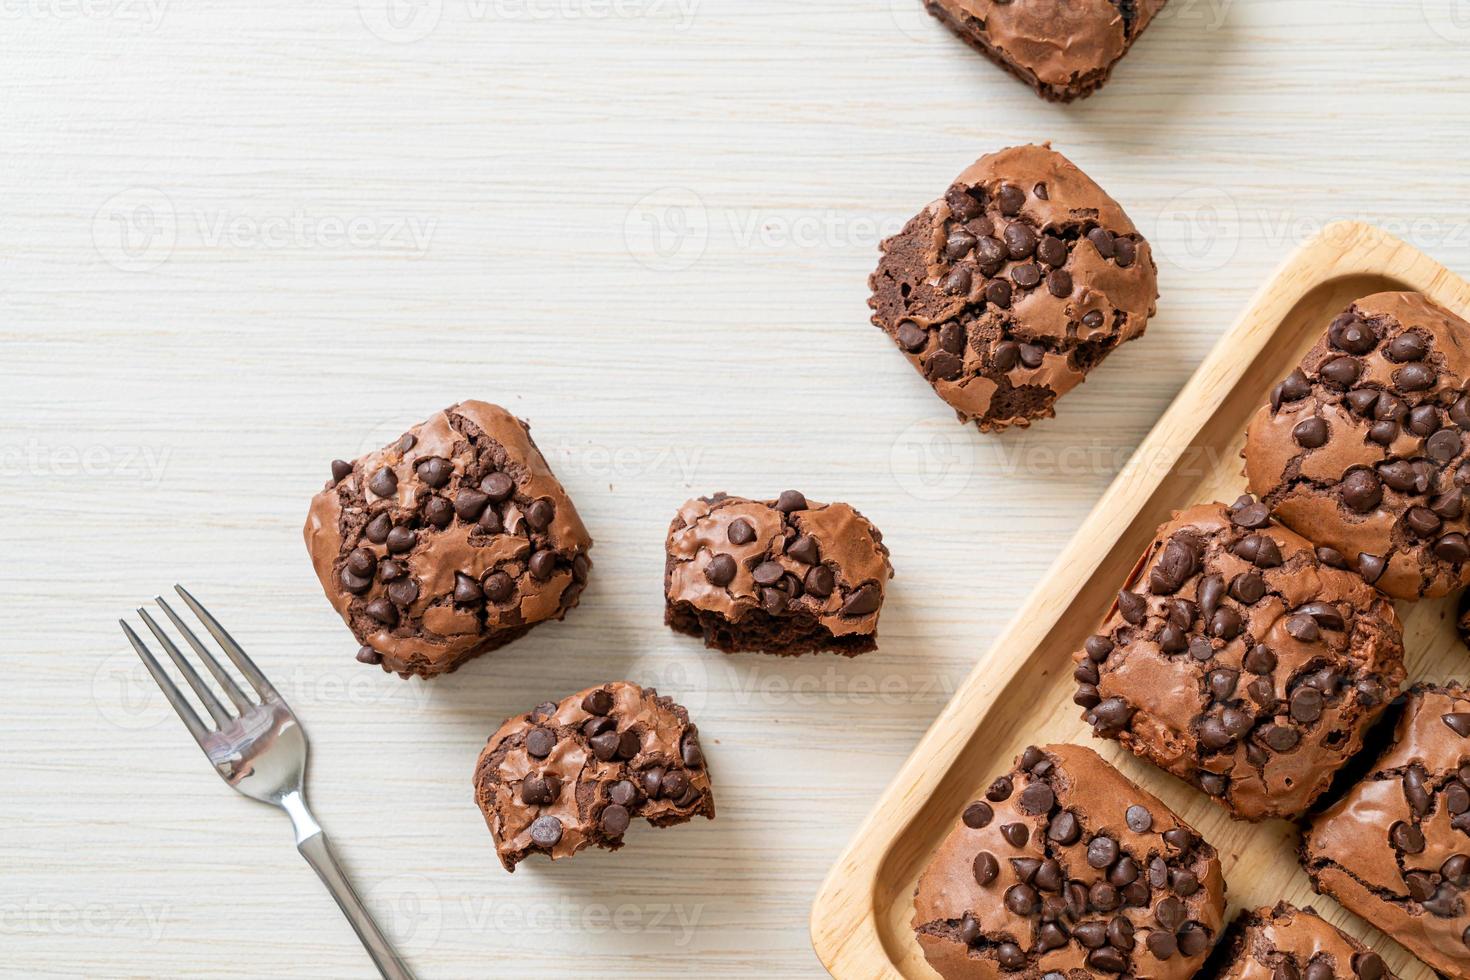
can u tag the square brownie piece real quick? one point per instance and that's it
(1065, 49)
(1009, 289)
(1396, 848)
(452, 541)
(1241, 662)
(1067, 869)
(785, 576)
(573, 774)
(1285, 941)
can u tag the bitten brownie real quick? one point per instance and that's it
(1288, 943)
(451, 542)
(574, 774)
(1065, 49)
(784, 576)
(1235, 659)
(1362, 447)
(1067, 869)
(1396, 849)
(1009, 289)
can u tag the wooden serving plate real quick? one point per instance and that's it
(1021, 693)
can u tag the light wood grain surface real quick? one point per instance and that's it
(241, 239)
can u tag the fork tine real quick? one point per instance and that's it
(175, 697)
(211, 703)
(227, 682)
(232, 649)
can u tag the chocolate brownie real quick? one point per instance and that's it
(1065, 49)
(572, 774)
(1396, 849)
(1010, 288)
(1067, 869)
(785, 576)
(1238, 661)
(1288, 943)
(1362, 447)
(452, 541)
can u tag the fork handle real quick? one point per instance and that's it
(318, 854)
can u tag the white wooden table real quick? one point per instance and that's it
(241, 239)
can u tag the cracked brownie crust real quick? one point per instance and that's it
(1066, 868)
(1362, 447)
(1065, 49)
(785, 576)
(451, 542)
(1240, 662)
(1004, 293)
(1396, 849)
(574, 774)
(1288, 943)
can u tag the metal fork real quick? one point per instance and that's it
(260, 750)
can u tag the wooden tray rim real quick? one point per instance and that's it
(845, 929)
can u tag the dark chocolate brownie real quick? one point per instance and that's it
(1288, 943)
(784, 576)
(1067, 869)
(1362, 447)
(1238, 661)
(452, 541)
(1065, 49)
(1007, 291)
(574, 774)
(1396, 849)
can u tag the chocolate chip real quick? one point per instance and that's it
(952, 337)
(1310, 433)
(912, 337)
(986, 868)
(720, 571)
(1010, 199)
(1036, 799)
(1111, 715)
(1222, 684)
(1250, 513)
(1414, 377)
(1370, 567)
(1351, 334)
(546, 831)
(1415, 790)
(1000, 790)
(958, 282)
(1092, 319)
(383, 611)
(1458, 722)
(1341, 371)
(1368, 965)
(1032, 356)
(740, 531)
(1176, 565)
(1293, 388)
(1260, 660)
(542, 565)
(1139, 819)
(1280, 738)
(367, 655)
(768, 573)
(674, 784)
(539, 515)
(498, 586)
(1226, 624)
(1124, 252)
(958, 245)
(1306, 705)
(1021, 899)
(401, 539)
(341, 470)
(377, 529)
(1248, 588)
(434, 471)
(1133, 607)
(1016, 834)
(791, 501)
(1052, 251)
(1452, 548)
(1026, 276)
(1059, 283)
(978, 815)
(863, 602)
(1406, 838)
(1064, 829)
(1020, 241)
(1161, 944)
(540, 742)
(539, 789)
(1422, 521)
(384, 483)
(1102, 852)
(1102, 240)
(1361, 491)
(1443, 446)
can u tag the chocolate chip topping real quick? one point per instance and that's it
(1044, 870)
(1367, 455)
(1292, 661)
(787, 576)
(574, 773)
(1005, 311)
(411, 541)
